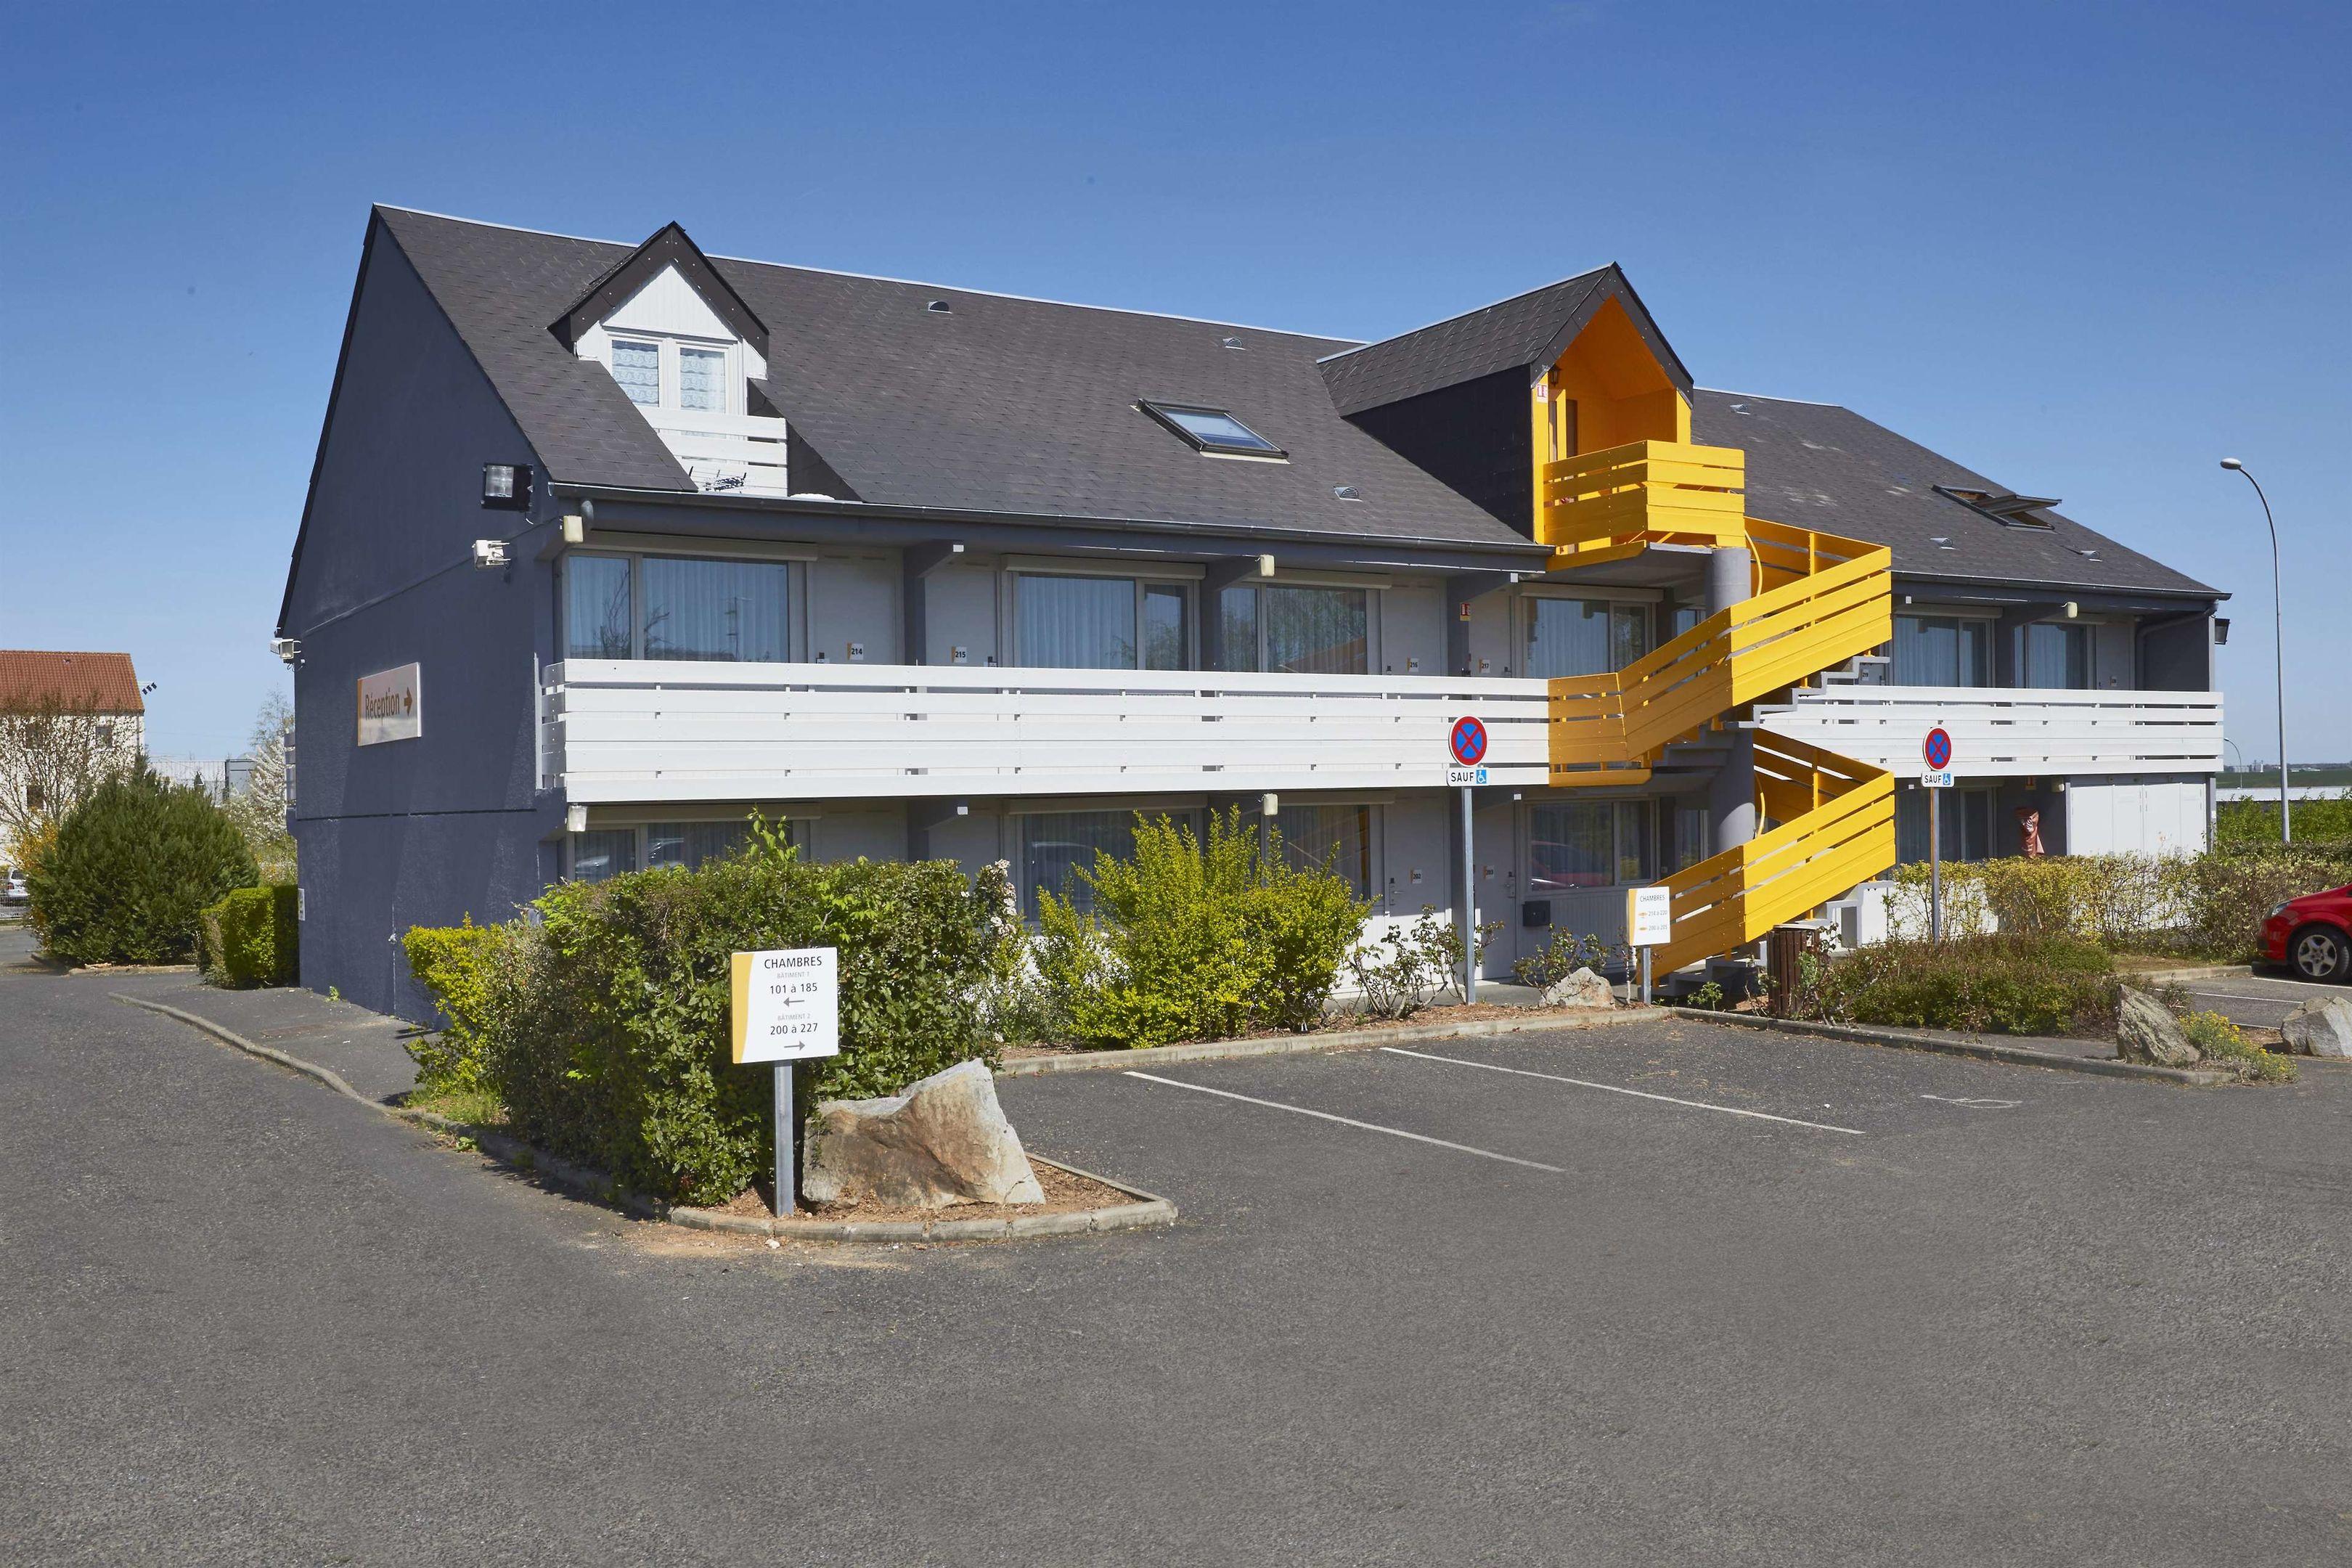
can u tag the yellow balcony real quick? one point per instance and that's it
(1606, 501)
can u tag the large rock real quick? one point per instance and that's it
(2320, 1027)
(1581, 989)
(2145, 1031)
(943, 1141)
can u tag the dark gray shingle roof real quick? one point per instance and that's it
(1002, 404)
(1518, 333)
(1815, 465)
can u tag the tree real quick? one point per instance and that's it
(259, 810)
(53, 757)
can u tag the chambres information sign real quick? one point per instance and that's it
(787, 1004)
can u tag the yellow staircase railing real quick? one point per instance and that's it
(1817, 600)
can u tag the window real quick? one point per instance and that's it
(673, 607)
(1212, 430)
(1693, 840)
(1591, 844)
(1964, 825)
(702, 380)
(1584, 636)
(2058, 657)
(1942, 650)
(689, 844)
(1090, 622)
(637, 367)
(1296, 631)
(1337, 837)
(725, 610)
(1055, 843)
(607, 852)
(596, 617)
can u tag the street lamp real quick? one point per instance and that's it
(2278, 644)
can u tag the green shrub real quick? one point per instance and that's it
(1995, 985)
(250, 937)
(133, 869)
(462, 968)
(602, 1026)
(2323, 822)
(1195, 939)
(2221, 1041)
(1557, 959)
(2225, 896)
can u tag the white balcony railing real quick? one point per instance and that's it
(742, 454)
(2001, 733)
(616, 730)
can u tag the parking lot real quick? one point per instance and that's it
(2261, 999)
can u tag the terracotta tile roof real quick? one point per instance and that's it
(104, 682)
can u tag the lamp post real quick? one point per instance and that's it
(2278, 644)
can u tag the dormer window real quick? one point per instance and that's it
(1213, 431)
(702, 379)
(637, 367)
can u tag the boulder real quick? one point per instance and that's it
(2320, 1027)
(2145, 1031)
(943, 1141)
(1581, 989)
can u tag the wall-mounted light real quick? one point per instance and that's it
(2220, 631)
(507, 486)
(489, 553)
(575, 529)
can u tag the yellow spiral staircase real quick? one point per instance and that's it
(1817, 600)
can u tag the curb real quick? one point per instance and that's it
(1982, 1050)
(2210, 971)
(1114, 1060)
(1147, 1209)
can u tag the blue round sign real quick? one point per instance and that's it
(1938, 748)
(1468, 741)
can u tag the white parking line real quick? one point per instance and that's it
(1636, 1093)
(1347, 1122)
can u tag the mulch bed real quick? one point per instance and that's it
(1064, 1194)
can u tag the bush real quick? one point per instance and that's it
(602, 1027)
(1995, 985)
(1195, 939)
(133, 869)
(2226, 896)
(2325, 821)
(2214, 1034)
(250, 937)
(1561, 957)
(463, 968)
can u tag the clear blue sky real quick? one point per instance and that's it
(2087, 249)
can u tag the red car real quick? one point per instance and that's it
(2313, 934)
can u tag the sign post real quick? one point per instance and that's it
(1649, 920)
(1466, 744)
(786, 1007)
(1936, 752)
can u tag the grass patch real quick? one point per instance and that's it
(473, 1106)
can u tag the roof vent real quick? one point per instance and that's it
(1347, 492)
(940, 308)
(1942, 541)
(1232, 343)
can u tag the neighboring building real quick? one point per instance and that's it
(65, 720)
(930, 572)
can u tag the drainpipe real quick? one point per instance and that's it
(1731, 797)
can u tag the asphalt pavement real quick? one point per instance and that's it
(1903, 1309)
(2263, 999)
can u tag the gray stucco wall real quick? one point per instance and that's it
(422, 831)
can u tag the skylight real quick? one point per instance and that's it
(1212, 430)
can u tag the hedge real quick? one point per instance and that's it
(601, 1022)
(250, 937)
(2208, 905)
(133, 869)
(2000, 985)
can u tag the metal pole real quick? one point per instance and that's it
(1469, 907)
(1645, 974)
(1935, 865)
(788, 1137)
(2278, 651)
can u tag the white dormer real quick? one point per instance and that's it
(686, 365)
